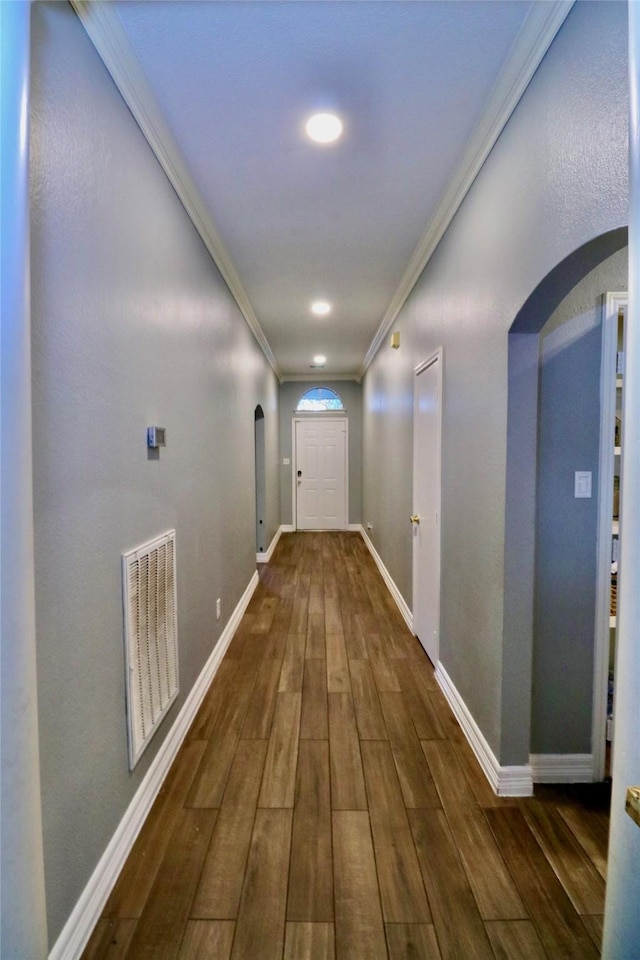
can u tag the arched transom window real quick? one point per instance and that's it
(320, 398)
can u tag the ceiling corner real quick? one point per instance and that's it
(536, 35)
(101, 22)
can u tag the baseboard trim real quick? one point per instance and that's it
(507, 781)
(351, 527)
(86, 913)
(388, 579)
(265, 556)
(562, 767)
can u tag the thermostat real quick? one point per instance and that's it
(155, 437)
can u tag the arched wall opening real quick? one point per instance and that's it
(554, 358)
(261, 491)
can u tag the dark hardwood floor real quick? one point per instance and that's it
(326, 804)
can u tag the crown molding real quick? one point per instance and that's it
(534, 39)
(312, 378)
(101, 22)
(103, 27)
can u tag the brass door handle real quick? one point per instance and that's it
(415, 518)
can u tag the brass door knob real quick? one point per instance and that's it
(415, 518)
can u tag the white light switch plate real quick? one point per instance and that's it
(582, 484)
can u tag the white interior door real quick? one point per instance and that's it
(320, 474)
(427, 429)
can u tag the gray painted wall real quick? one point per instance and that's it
(566, 528)
(351, 393)
(132, 326)
(556, 178)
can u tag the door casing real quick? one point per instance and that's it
(613, 302)
(437, 359)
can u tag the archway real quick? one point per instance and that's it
(260, 464)
(540, 716)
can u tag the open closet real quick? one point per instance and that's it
(611, 453)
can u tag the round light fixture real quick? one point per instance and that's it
(321, 308)
(319, 359)
(324, 127)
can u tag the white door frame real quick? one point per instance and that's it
(294, 465)
(611, 306)
(436, 357)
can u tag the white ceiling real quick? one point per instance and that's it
(418, 85)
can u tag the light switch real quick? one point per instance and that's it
(582, 483)
(285, 461)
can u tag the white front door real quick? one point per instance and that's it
(320, 477)
(427, 427)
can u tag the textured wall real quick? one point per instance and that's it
(132, 325)
(556, 178)
(351, 393)
(566, 528)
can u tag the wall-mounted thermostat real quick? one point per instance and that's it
(156, 437)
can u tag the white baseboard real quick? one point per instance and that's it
(512, 781)
(562, 767)
(86, 913)
(289, 528)
(268, 553)
(386, 576)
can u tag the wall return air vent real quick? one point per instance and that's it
(150, 638)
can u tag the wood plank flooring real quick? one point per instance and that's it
(326, 805)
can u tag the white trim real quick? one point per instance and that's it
(287, 528)
(294, 493)
(612, 303)
(319, 414)
(300, 417)
(534, 39)
(101, 22)
(312, 377)
(268, 553)
(512, 781)
(435, 358)
(401, 603)
(354, 527)
(86, 913)
(562, 767)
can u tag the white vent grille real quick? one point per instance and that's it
(150, 637)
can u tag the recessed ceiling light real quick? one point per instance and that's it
(319, 359)
(324, 127)
(320, 308)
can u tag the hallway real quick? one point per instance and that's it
(326, 804)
